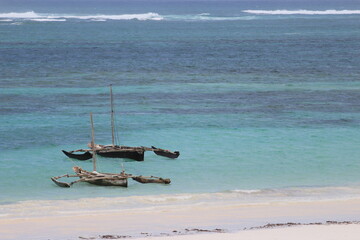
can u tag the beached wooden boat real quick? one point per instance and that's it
(104, 179)
(117, 151)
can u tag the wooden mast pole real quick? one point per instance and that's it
(112, 116)
(93, 142)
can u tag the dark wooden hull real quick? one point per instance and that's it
(137, 155)
(81, 156)
(110, 182)
(165, 153)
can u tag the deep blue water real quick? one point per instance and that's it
(252, 101)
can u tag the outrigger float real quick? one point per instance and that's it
(117, 151)
(104, 179)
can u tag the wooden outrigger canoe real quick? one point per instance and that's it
(106, 179)
(116, 151)
(111, 152)
(134, 153)
(102, 179)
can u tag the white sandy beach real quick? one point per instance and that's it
(189, 221)
(322, 232)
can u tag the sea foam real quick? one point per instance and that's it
(303, 12)
(47, 20)
(22, 15)
(43, 17)
(32, 16)
(206, 17)
(144, 16)
(52, 17)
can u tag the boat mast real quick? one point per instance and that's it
(93, 142)
(112, 117)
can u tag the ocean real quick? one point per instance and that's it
(261, 98)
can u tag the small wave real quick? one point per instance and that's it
(303, 12)
(250, 191)
(206, 17)
(166, 198)
(47, 20)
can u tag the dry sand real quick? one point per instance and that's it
(313, 232)
(174, 220)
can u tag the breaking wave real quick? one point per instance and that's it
(151, 16)
(47, 20)
(22, 15)
(303, 12)
(206, 17)
(32, 16)
(144, 16)
(47, 17)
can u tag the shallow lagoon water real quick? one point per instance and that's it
(253, 102)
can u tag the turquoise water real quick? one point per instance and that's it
(252, 101)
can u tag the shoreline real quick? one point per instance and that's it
(198, 219)
(195, 232)
(323, 231)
